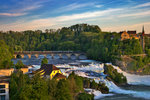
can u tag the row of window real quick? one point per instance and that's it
(2, 91)
(2, 86)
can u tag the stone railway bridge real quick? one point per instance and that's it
(45, 53)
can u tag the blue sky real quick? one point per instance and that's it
(110, 15)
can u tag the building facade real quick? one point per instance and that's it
(129, 35)
(4, 88)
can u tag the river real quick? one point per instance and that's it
(139, 88)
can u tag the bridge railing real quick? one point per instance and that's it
(44, 52)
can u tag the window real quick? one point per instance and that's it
(2, 91)
(2, 97)
(2, 86)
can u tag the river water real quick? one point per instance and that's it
(139, 88)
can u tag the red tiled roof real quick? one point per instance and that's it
(131, 32)
(148, 35)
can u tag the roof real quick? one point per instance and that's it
(131, 32)
(121, 32)
(47, 69)
(4, 79)
(25, 66)
(59, 76)
(148, 35)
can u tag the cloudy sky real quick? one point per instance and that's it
(110, 15)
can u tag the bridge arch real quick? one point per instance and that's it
(53, 54)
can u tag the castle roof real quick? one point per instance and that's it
(131, 32)
(147, 35)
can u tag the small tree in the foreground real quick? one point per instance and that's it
(44, 61)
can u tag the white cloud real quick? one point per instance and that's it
(98, 6)
(40, 23)
(140, 14)
(74, 6)
(87, 15)
(28, 8)
(137, 27)
(142, 5)
(23, 8)
(12, 14)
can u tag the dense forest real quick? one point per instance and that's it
(98, 45)
(103, 46)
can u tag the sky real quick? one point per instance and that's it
(109, 15)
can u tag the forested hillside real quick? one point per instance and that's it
(103, 46)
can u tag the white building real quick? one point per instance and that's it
(4, 90)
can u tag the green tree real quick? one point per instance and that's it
(5, 55)
(19, 64)
(63, 91)
(44, 61)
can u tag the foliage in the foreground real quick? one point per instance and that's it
(36, 88)
(84, 96)
(113, 74)
(5, 55)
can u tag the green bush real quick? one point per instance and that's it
(85, 96)
(112, 73)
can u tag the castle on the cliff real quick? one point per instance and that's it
(124, 35)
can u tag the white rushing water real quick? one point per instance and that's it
(131, 79)
(135, 79)
(115, 89)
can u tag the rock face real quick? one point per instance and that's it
(129, 65)
(124, 63)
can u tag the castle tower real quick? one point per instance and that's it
(143, 32)
(142, 39)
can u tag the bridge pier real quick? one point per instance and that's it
(77, 56)
(36, 55)
(52, 55)
(45, 55)
(22, 55)
(29, 56)
(15, 56)
(68, 55)
(60, 56)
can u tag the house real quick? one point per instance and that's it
(4, 88)
(49, 71)
(133, 34)
(24, 69)
(6, 72)
(124, 35)
(129, 35)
